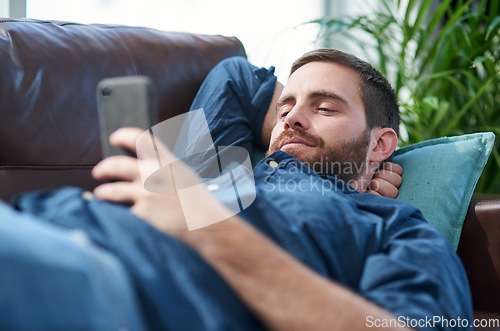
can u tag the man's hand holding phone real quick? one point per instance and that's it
(126, 185)
(165, 211)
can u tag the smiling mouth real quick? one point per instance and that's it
(294, 142)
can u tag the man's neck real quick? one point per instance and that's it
(362, 183)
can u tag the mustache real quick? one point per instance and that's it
(299, 133)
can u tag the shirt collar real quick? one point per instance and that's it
(283, 159)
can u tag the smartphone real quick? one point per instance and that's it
(124, 102)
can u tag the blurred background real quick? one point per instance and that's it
(441, 56)
(272, 31)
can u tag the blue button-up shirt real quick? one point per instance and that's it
(380, 248)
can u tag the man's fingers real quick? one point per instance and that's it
(121, 192)
(389, 176)
(387, 180)
(118, 167)
(394, 167)
(126, 138)
(384, 188)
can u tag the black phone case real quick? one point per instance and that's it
(124, 102)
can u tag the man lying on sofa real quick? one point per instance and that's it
(302, 259)
(353, 260)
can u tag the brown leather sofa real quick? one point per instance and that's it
(49, 129)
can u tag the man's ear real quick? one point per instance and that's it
(384, 142)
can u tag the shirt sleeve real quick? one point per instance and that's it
(418, 277)
(235, 97)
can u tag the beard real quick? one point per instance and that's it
(346, 160)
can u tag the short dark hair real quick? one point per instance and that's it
(379, 98)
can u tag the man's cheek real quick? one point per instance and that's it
(273, 147)
(273, 144)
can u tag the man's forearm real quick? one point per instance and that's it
(284, 293)
(279, 289)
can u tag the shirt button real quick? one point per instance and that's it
(274, 164)
(87, 196)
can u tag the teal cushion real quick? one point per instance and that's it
(439, 177)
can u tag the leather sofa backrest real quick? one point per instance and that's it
(49, 129)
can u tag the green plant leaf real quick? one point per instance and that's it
(493, 27)
(465, 108)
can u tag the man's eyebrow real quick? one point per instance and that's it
(282, 100)
(329, 95)
(314, 94)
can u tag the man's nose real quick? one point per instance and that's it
(297, 118)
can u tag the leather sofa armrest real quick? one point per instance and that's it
(479, 250)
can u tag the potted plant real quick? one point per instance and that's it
(443, 61)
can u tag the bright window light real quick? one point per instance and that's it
(271, 31)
